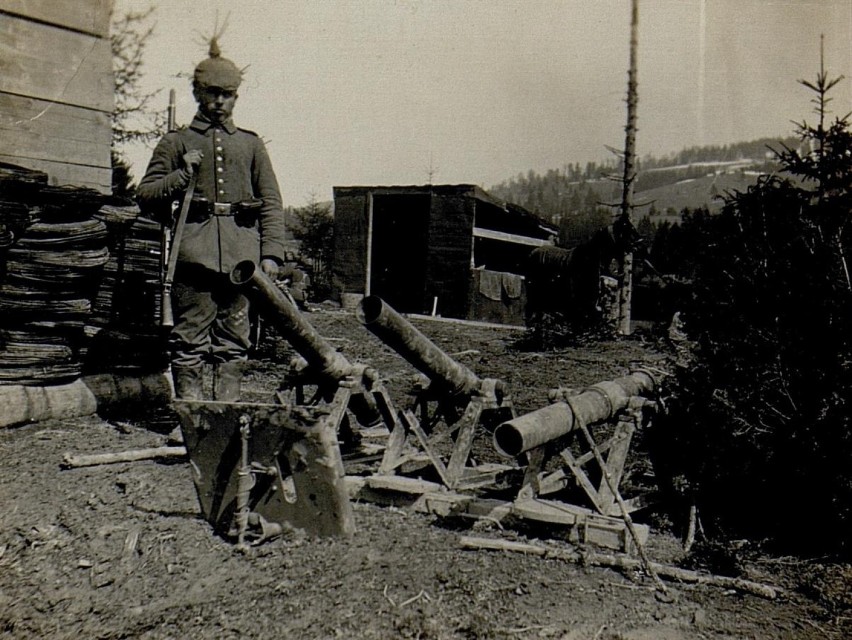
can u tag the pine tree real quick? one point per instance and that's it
(133, 118)
(763, 424)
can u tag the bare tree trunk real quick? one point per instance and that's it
(626, 291)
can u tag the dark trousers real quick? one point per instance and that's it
(211, 319)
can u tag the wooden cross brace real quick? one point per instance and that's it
(536, 483)
(444, 435)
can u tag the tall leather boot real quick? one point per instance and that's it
(187, 381)
(227, 378)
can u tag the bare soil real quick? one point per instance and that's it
(120, 551)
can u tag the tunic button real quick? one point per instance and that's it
(221, 191)
(219, 158)
(221, 180)
(220, 169)
(219, 149)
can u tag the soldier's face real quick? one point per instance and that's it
(216, 103)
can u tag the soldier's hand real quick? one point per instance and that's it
(269, 267)
(192, 160)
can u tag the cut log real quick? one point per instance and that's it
(83, 397)
(73, 461)
(624, 562)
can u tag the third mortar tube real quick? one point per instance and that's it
(599, 402)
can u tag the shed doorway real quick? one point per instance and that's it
(398, 250)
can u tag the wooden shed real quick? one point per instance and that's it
(56, 89)
(453, 250)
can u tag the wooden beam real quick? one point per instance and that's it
(479, 232)
(99, 178)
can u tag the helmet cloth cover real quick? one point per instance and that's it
(217, 71)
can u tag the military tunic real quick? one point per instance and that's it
(234, 168)
(211, 315)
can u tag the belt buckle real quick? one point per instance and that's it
(221, 209)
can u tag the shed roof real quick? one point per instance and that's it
(498, 215)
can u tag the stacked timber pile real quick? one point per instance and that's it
(54, 254)
(123, 328)
(78, 283)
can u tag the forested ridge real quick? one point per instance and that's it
(576, 189)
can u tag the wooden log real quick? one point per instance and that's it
(73, 461)
(115, 393)
(83, 397)
(624, 562)
(34, 404)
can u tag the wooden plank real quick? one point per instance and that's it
(485, 475)
(432, 498)
(581, 478)
(71, 144)
(635, 504)
(479, 232)
(615, 464)
(464, 440)
(402, 484)
(467, 323)
(30, 144)
(22, 113)
(49, 63)
(414, 426)
(99, 178)
(88, 16)
(552, 512)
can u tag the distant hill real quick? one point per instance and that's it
(707, 189)
(692, 178)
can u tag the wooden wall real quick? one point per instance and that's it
(56, 89)
(349, 269)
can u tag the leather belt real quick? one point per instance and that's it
(206, 208)
(202, 209)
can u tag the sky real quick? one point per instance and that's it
(390, 92)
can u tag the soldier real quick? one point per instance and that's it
(235, 215)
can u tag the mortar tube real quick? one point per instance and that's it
(599, 402)
(399, 334)
(284, 316)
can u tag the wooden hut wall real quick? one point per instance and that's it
(350, 241)
(449, 251)
(56, 89)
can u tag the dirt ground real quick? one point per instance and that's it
(120, 551)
